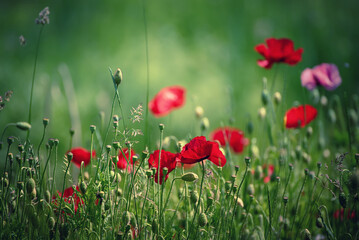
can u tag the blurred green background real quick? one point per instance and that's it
(205, 46)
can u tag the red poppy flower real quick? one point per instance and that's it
(199, 149)
(168, 160)
(299, 116)
(278, 50)
(122, 163)
(68, 196)
(270, 171)
(81, 155)
(340, 214)
(234, 137)
(167, 100)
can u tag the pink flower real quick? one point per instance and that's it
(325, 74)
(167, 100)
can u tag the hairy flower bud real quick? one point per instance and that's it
(202, 220)
(319, 223)
(204, 124)
(277, 98)
(189, 177)
(30, 185)
(69, 156)
(92, 128)
(45, 122)
(23, 126)
(194, 196)
(199, 112)
(117, 77)
(83, 187)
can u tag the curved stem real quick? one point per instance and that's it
(62, 193)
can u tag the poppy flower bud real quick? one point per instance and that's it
(30, 185)
(343, 200)
(324, 101)
(265, 97)
(4, 182)
(309, 132)
(10, 140)
(199, 112)
(306, 235)
(161, 126)
(48, 196)
(51, 142)
(194, 196)
(306, 171)
(56, 142)
(332, 115)
(69, 156)
(277, 98)
(319, 222)
(250, 189)
(248, 160)
(285, 200)
(210, 201)
(189, 177)
(92, 128)
(119, 192)
(148, 173)
(250, 127)
(227, 185)
(115, 124)
(202, 220)
(258, 172)
(204, 124)
(86, 176)
(315, 95)
(51, 222)
(83, 187)
(153, 170)
(45, 122)
(32, 194)
(72, 132)
(262, 113)
(23, 126)
(236, 168)
(117, 77)
(239, 202)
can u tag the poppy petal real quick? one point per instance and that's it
(167, 100)
(299, 116)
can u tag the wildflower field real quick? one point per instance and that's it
(179, 120)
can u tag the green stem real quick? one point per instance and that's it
(43, 173)
(297, 203)
(199, 201)
(63, 189)
(147, 130)
(33, 80)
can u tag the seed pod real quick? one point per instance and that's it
(92, 128)
(343, 199)
(23, 126)
(247, 160)
(202, 220)
(161, 126)
(189, 177)
(30, 185)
